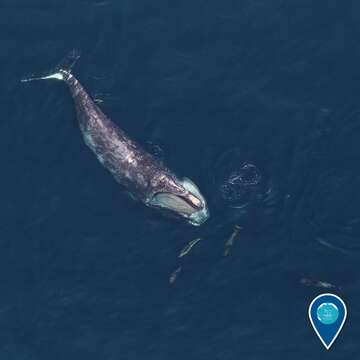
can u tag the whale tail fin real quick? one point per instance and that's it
(61, 71)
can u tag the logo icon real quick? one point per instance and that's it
(327, 313)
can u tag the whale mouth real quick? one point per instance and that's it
(190, 205)
(175, 203)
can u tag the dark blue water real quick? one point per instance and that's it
(257, 102)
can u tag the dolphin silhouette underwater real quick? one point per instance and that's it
(140, 173)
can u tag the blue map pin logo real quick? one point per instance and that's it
(327, 313)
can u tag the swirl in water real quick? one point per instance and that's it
(242, 185)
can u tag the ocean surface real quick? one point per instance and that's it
(256, 101)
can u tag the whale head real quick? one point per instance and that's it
(184, 200)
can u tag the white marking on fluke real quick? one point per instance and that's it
(57, 76)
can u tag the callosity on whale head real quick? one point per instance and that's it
(187, 203)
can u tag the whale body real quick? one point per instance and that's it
(139, 172)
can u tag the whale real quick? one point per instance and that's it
(140, 173)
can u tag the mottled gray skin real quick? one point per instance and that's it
(130, 165)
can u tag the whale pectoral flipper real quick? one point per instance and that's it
(131, 195)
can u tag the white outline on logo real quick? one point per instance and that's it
(342, 323)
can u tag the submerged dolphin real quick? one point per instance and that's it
(139, 172)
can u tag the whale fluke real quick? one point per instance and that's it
(61, 71)
(57, 75)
